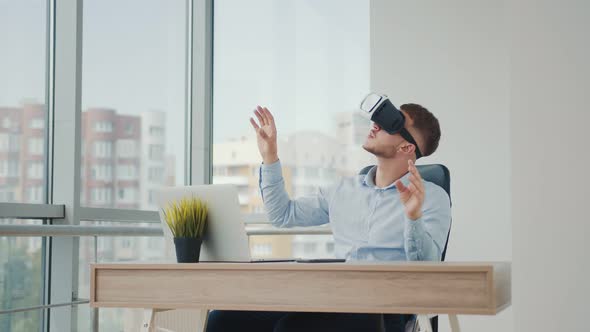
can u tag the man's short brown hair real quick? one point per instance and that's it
(426, 124)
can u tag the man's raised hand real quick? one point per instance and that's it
(266, 134)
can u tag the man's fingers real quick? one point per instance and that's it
(269, 115)
(259, 117)
(417, 183)
(412, 188)
(254, 124)
(258, 112)
(416, 192)
(261, 112)
(400, 186)
(412, 169)
(264, 112)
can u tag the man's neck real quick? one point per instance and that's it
(389, 171)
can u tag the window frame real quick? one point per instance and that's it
(63, 146)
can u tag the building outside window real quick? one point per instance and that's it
(156, 131)
(38, 123)
(101, 196)
(13, 168)
(36, 146)
(127, 195)
(103, 149)
(127, 148)
(156, 173)
(103, 126)
(156, 152)
(35, 170)
(35, 194)
(102, 172)
(126, 172)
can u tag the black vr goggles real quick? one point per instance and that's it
(379, 109)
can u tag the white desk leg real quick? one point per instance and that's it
(203, 321)
(148, 320)
(454, 321)
(424, 323)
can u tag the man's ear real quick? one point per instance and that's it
(408, 148)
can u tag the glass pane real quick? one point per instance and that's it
(21, 279)
(114, 249)
(22, 100)
(292, 246)
(22, 321)
(133, 101)
(308, 62)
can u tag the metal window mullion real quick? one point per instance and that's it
(188, 86)
(31, 211)
(201, 87)
(42, 307)
(46, 258)
(49, 120)
(77, 230)
(118, 215)
(65, 111)
(256, 231)
(110, 231)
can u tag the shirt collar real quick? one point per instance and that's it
(369, 179)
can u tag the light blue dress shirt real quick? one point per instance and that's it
(368, 223)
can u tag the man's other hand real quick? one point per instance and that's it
(412, 196)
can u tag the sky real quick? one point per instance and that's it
(22, 51)
(304, 59)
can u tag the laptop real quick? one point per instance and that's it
(225, 237)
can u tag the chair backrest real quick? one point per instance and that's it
(437, 174)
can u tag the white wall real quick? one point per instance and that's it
(549, 117)
(452, 57)
(510, 82)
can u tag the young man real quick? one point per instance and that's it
(389, 214)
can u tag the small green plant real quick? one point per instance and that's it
(186, 217)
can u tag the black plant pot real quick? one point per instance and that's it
(188, 249)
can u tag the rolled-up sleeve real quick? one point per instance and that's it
(425, 238)
(285, 212)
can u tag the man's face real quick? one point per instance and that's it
(382, 144)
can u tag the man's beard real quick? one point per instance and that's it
(385, 153)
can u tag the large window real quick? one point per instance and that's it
(133, 100)
(111, 250)
(22, 98)
(21, 279)
(141, 74)
(133, 119)
(308, 61)
(23, 58)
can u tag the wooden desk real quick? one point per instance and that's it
(404, 287)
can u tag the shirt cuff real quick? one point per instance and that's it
(413, 228)
(413, 234)
(270, 174)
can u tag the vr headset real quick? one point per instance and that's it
(379, 109)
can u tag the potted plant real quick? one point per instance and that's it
(187, 219)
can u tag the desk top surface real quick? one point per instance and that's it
(344, 266)
(378, 287)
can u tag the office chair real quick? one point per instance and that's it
(439, 175)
